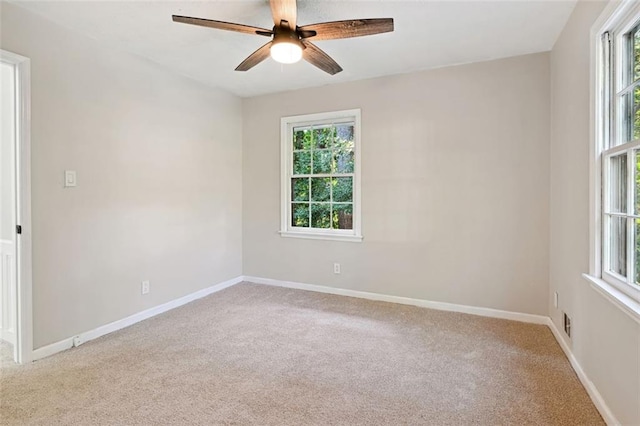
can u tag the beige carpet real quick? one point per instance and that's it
(263, 355)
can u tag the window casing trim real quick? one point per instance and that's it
(286, 128)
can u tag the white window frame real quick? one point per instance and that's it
(286, 150)
(616, 20)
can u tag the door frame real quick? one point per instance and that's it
(23, 349)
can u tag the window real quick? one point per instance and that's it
(620, 155)
(321, 176)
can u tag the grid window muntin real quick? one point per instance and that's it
(316, 177)
(621, 159)
(291, 173)
(627, 83)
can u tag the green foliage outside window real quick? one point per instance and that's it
(300, 213)
(323, 201)
(633, 101)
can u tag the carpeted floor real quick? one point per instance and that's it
(255, 354)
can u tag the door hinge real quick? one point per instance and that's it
(18, 229)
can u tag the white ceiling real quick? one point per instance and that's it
(428, 34)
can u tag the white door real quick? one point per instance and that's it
(8, 285)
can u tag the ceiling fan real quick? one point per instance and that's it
(289, 42)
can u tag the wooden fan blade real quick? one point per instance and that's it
(255, 58)
(284, 10)
(221, 25)
(315, 56)
(347, 29)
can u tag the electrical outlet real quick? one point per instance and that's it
(145, 287)
(567, 324)
(336, 268)
(555, 299)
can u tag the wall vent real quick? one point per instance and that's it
(567, 324)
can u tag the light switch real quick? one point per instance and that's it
(69, 178)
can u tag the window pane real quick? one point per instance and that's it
(618, 183)
(322, 137)
(342, 216)
(343, 189)
(320, 189)
(636, 55)
(300, 189)
(344, 132)
(631, 115)
(300, 215)
(321, 215)
(302, 138)
(322, 161)
(343, 158)
(302, 163)
(618, 245)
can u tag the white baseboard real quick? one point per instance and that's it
(441, 306)
(52, 349)
(595, 396)
(70, 342)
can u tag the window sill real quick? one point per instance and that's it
(313, 236)
(620, 300)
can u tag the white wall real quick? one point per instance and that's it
(159, 165)
(455, 166)
(604, 340)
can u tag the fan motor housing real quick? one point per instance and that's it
(283, 34)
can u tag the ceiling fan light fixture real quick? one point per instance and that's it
(289, 43)
(286, 52)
